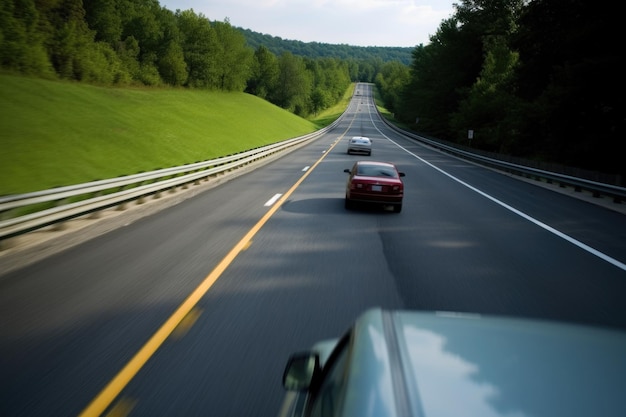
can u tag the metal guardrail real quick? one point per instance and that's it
(58, 205)
(65, 203)
(598, 189)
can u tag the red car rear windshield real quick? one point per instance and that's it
(376, 171)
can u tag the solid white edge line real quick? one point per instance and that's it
(550, 229)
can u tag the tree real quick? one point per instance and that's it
(319, 100)
(195, 33)
(488, 105)
(569, 77)
(390, 81)
(332, 76)
(105, 18)
(21, 43)
(439, 75)
(444, 72)
(233, 58)
(172, 66)
(264, 73)
(141, 22)
(490, 108)
(294, 85)
(170, 55)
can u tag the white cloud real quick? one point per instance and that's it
(354, 22)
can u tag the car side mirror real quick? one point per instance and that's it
(401, 174)
(346, 170)
(301, 370)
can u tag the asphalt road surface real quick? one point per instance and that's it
(193, 310)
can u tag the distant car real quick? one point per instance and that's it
(408, 363)
(374, 182)
(360, 145)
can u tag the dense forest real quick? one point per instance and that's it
(537, 79)
(138, 42)
(278, 46)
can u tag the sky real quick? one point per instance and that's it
(405, 23)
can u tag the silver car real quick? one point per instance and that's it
(407, 363)
(359, 145)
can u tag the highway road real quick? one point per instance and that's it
(193, 311)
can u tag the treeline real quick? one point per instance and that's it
(138, 42)
(364, 62)
(279, 45)
(535, 79)
(538, 79)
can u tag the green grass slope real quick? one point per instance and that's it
(57, 133)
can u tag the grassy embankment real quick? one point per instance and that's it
(56, 133)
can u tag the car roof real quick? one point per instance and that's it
(375, 163)
(443, 364)
(360, 140)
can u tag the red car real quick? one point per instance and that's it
(375, 182)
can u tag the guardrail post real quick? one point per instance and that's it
(6, 244)
(60, 226)
(47, 205)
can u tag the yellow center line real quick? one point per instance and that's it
(100, 403)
